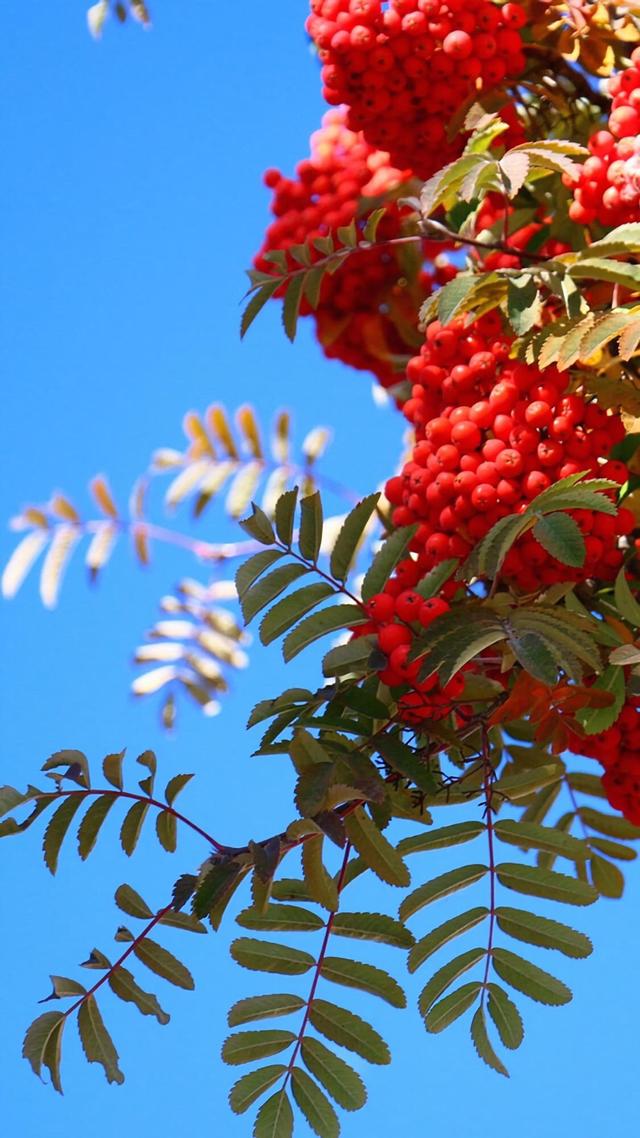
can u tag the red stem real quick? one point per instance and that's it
(488, 795)
(150, 802)
(318, 970)
(120, 961)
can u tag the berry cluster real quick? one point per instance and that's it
(404, 68)
(491, 434)
(606, 188)
(374, 296)
(396, 616)
(618, 749)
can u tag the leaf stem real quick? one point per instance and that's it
(120, 961)
(164, 806)
(317, 971)
(488, 796)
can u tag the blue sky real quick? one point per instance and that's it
(132, 203)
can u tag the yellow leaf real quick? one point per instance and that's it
(316, 443)
(218, 424)
(63, 508)
(151, 682)
(55, 563)
(246, 422)
(186, 482)
(102, 494)
(243, 488)
(195, 431)
(96, 16)
(141, 545)
(280, 439)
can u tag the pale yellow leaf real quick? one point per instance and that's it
(166, 459)
(96, 16)
(101, 547)
(275, 487)
(316, 443)
(243, 489)
(186, 482)
(55, 563)
(21, 561)
(141, 545)
(165, 652)
(151, 682)
(208, 669)
(174, 629)
(216, 477)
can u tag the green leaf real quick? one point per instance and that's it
(517, 784)
(349, 658)
(321, 624)
(505, 1016)
(601, 269)
(182, 921)
(91, 823)
(372, 926)
(257, 302)
(318, 881)
(343, 1084)
(314, 1105)
(372, 223)
(167, 830)
(626, 603)
(148, 759)
(174, 786)
(622, 239)
(57, 828)
(281, 918)
(132, 826)
(258, 526)
(533, 654)
(348, 1030)
(63, 987)
(97, 1044)
(441, 886)
(353, 974)
(441, 838)
(112, 769)
(260, 956)
(445, 932)
(528, 835)
(430, 585)
(131, 902)
(612, 849)
(560, 535)
(248, 1046)
(447, 975)
(375, 849)
(77, 766)
(290, 609)
(405, 761)
(123, 984)
(596, 719)
(612, 825)
(536, 882)
(449, 1009)
(250, 570)
(524, 307)
(291, 306)
(263, 1007)
(250, 1087)
(393, 549)
(42, 1044)
(164, 963)
(482, 1043)
(216, 889)
(453, 297)
(268, 588)
(529, 979)
(543, 932)
(350, 536)
(606, 877)
(284, 515)
(311, 521)
(275, 1118)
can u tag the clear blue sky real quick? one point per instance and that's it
(132, 202)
